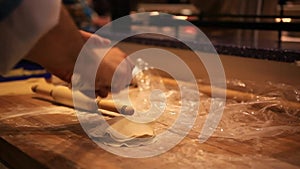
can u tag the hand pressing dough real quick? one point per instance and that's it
(123, 132)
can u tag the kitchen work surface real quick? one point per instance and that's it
(37, 133)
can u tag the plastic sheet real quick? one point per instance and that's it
(264, 116)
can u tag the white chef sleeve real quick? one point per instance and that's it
(23, 27)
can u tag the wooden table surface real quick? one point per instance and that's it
(35, 133)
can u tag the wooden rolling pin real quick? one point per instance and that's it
(233, 94)
(64, 95)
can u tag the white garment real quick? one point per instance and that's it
(23, 27)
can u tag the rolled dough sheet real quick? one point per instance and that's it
(123, 132)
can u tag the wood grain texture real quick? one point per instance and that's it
(35, 133)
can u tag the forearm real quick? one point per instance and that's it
(57, 50)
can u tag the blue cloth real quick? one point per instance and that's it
(7, 6)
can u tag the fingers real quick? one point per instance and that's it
(122, 76)
(95, 39)
(130, 63)
(85, 35)
(102, 92)
(114, 72)
(100, 41)
(114, 65)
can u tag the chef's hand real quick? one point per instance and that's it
(95, 38)
(114, 73)
(57, 51)
(114, 65)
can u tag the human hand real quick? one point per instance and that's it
(114, 72)
(58, 52)
(95, 38)
(114, 65)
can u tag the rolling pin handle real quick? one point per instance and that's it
(110, 105)
(126, 110)
(42, 89)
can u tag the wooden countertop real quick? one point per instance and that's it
(35, 133)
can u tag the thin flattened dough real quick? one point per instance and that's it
(123, 129)
(123, 132)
